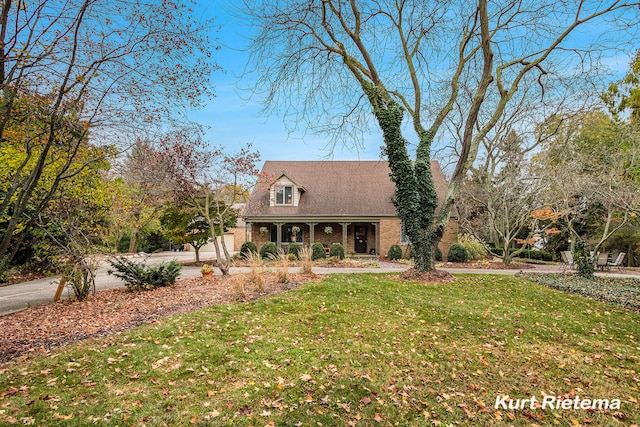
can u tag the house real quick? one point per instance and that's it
(349, 202)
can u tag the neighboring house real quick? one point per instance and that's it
(233, 237)
(349, 202)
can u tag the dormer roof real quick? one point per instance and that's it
(290, 178)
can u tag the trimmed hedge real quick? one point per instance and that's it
(294, 249)
(395, 252)
(269, 251)
(457, 253)
(248, 248)
(336, 250)
(438, 255)
(317, 251)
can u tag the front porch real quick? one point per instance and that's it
(358, 238)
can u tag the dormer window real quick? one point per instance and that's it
(284, 195)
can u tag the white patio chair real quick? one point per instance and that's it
(618, 262)
(567, 260)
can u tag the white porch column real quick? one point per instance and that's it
(376, 229)
(248, 231)
(279, 234)
(344, 234)
(312, 227)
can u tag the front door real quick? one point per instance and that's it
(361, 239)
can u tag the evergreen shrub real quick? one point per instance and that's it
(395, 252)
(457, 253)
(336, 250)
(247, 249)
(317, 251)
(269, 251)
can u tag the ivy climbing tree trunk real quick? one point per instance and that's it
(416, 198)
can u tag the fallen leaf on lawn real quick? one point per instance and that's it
(305, 377)
(365, 400)
(212, 414)
(62, 417)
(377, 418)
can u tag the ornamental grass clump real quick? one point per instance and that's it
(282, 272)
(306, 261)
(256, 267)
(237, 288)
(474, 247)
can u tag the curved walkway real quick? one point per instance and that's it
(23, 295)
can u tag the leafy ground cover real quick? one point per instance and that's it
(351, 350)
(621, 291)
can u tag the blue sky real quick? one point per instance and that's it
(233, 120)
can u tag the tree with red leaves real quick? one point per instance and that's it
(211, 180)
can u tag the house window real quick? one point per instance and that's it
(287, 234)
(284, 195)
(404, 239)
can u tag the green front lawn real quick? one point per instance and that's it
(360, 350)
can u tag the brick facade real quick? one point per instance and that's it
(239, 237)
(390, 235)
(389, 229)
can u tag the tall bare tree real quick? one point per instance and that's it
(147, 187)
(211, 180)
(95, 71)
(413, 62)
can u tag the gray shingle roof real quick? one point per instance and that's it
(332, 189)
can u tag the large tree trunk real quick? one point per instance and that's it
(135, 238)
(223, 263)
(415, 198)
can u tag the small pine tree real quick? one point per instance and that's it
(336, 250)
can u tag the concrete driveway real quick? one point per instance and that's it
(23, 295)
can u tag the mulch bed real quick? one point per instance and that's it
(487, 265)
(434, 276)
(41, 328)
